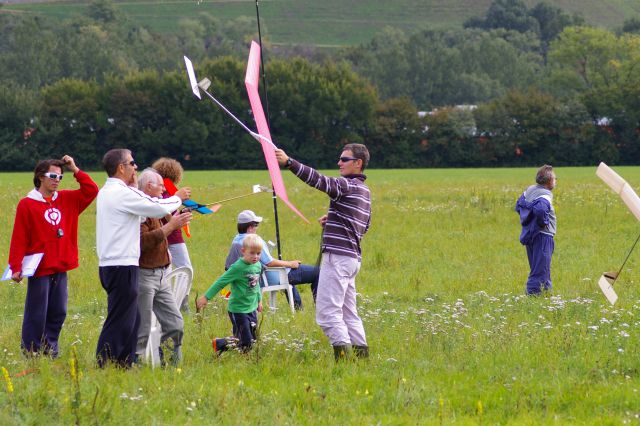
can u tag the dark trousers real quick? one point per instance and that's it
(45, 309)
(304, 274)
(539, 253)
(117, 342)
(244, 331)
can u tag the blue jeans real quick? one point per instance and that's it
(244, 332)
(304, 274)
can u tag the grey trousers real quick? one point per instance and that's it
(154, 294)
(336, 310)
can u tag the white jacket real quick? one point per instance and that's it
(119, 212)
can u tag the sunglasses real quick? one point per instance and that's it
(132, 163)
(54, 176)
(345, 159)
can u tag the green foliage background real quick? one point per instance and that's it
(523, 84)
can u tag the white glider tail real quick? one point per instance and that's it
(631, 199)
(620, 187)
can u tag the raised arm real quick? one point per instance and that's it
(137, 202)
(334, 187)
(88, 188)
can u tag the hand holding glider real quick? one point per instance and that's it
(184, 193)
(17, 276)
(282, 157)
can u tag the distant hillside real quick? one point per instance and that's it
(327, 22)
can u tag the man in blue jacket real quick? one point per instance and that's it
(538, 220)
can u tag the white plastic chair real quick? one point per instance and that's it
(180, 281)
(281, 283)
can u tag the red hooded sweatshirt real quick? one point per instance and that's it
(50, 227)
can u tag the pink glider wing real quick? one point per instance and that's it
(251, 82)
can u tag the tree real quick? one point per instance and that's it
(507, 14)
(385, 62)
(600, 69)
(316, 109)
(631, 25)
(69, 120)
(533, 127)
(551, 22)
(18, 127)
(104, 11)
(396, 135)
(436, 68)
(29, 53)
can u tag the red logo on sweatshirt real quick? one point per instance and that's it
(53, 216)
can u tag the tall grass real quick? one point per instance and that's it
(453, 339)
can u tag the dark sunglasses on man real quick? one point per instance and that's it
(345, 159)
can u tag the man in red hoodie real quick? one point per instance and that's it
(47, 222)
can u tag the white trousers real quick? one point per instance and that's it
(336, 311)
(180, 257)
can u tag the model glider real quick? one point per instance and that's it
(263, 136)
(190, 204)
(631, 199)
(251, 82)
(215, 206)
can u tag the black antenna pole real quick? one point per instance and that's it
(266, 107)
(625, 260)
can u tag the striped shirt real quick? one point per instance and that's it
(349, 213)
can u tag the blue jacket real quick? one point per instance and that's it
(536, 213)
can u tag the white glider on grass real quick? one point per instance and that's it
(631, 199)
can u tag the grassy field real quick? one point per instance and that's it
(329, 22)
(452, 337)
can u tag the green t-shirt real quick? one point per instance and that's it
(244, 279)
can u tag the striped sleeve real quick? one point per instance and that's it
(334, 187)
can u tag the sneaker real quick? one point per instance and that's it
(214, 345)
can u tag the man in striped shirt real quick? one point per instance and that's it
(344, 225)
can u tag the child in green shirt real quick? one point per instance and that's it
(246, 298)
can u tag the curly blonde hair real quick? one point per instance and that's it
(169, 168)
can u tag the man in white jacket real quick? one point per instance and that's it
(120, 207)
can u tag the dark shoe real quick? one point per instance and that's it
(361, 351)
(342, 352)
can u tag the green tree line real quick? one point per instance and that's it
(531, 85)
